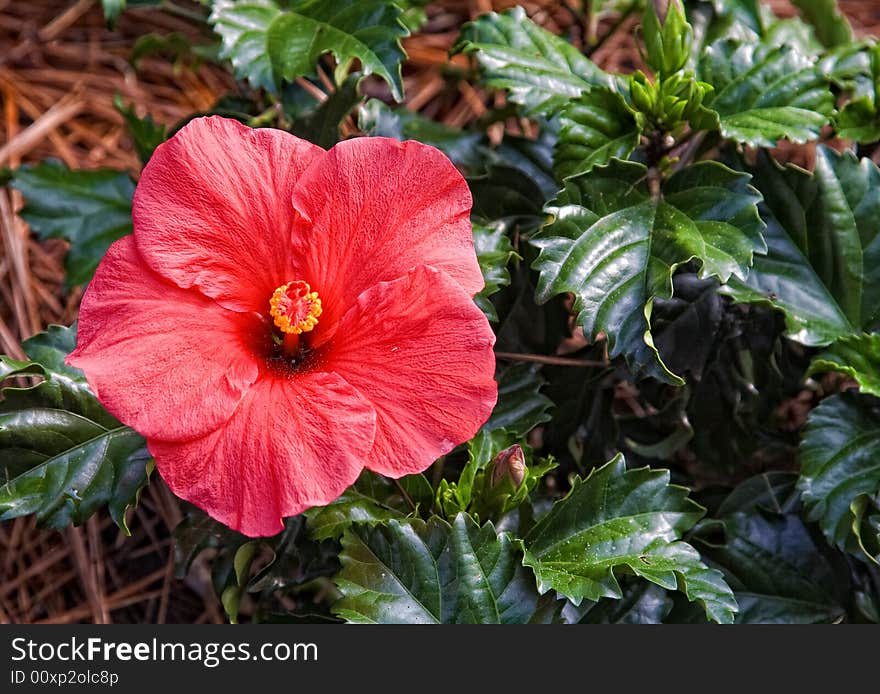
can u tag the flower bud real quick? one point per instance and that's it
(667, 47)
(510, 462)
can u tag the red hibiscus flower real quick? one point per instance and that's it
(285, 316)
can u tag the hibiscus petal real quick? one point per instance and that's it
(293, 443)
(168, 362)
(212, 209)
(375, 208)
(420, 351)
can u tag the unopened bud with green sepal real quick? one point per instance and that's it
(667, 45)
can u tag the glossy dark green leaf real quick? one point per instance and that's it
(730, 19)
(685, 327)
(615, 247)
(321, 125)
(412, 572)
(510, 182)
(504, 193)
(414, 14)
(90, 209)
(243, 27)
(371, 499)
(779, 573)
(840, 469)
(465, 148)
(857, 356)
(532, 157)
(62, 456)
(822, 266)
(849, 66)
(642, 602)
(540, 71)
(268, 42)
(145, 133)
(794, 31)
(368, 31)
(594, 129)
(746, 11)
(521, 406)
(859, 121)
(355, 505)
(625, 521)
(198, 532)
(765, 93)
(770, 491)
(831, 25)
(494, 252)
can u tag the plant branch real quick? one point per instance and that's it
(550, 360)
(619, 22)
(406, 497)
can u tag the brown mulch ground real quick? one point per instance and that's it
(60, 69)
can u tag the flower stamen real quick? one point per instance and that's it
(295, 308)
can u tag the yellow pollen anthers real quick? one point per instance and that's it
(295, 308)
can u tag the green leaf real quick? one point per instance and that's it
(840, 470)
(358, 504)
(519, 409)
(243, 28)
(594, 129)
(321, 125)
(778, 572)
(642, 603)
(615, 247)
(521, 406)
(412, 572)
(859, 121)
(414, 13)
(832, 27)
(540, 70)
(625, 521)
(739, 19)
(62, 456)
(823, 265)
(112, 9)
(850, 66)
(145, 132)
(795, 32)
(368, 31)
(765, 93)
(769, 491)
(857, 356)
(198, 532)
(465, 148)
(267, 43)
(494, 252)
(90, 209)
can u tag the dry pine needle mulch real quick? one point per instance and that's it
(60, 70)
